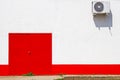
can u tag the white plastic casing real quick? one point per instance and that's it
(106, 5)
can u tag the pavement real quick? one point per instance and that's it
(66, 77)
(29, 77)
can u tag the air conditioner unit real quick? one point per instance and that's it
(100, 7)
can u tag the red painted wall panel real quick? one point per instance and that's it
(30, 53)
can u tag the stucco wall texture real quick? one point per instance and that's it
(58, 37)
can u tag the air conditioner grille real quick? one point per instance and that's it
(99, 7)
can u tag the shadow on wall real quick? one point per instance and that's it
(103, 21)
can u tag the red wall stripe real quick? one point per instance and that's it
(86, 69)
(71, 69)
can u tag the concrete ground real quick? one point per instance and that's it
(28, 77)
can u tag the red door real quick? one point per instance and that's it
(30, 53)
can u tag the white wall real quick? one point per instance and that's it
(78, 37)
